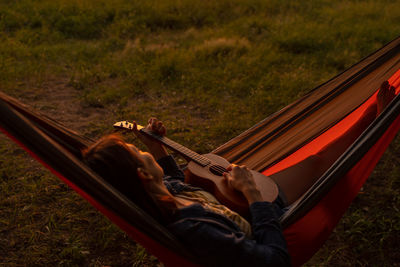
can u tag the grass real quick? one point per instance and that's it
(209, 70)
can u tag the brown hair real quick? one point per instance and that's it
(113, 160)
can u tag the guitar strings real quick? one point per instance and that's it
(219, 169)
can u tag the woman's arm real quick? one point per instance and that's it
(219, 242)
(171, 169)
(159, 152)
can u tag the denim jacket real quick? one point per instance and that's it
(218, 241)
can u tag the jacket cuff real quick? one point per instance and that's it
(261, 210)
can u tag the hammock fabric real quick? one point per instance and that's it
(279, 141)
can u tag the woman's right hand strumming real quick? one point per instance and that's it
(241, 179)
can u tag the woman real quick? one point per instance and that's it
(217, 235)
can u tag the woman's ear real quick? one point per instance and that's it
(144, 175)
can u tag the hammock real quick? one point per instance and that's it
(275, 143)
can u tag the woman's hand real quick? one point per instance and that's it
(155, 147)
(241, 179)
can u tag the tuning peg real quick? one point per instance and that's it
(121, 124)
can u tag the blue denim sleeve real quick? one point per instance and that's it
(170, 168)
(267, 231)
(217, 243)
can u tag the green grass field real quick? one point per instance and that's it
(209, 70)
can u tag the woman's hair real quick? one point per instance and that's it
(113, 160)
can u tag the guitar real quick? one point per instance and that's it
(206, 171)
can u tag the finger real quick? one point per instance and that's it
(243, 167)
(163, 130)
(227, 178)
(159, 124)
(236, 168)
(157, 127)
(153, 124)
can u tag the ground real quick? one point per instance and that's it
(209, 70)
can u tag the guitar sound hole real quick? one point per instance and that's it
(217, 170)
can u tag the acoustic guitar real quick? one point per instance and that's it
(206, 171)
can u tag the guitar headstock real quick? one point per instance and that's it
(125, 125)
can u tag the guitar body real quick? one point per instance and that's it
(210, 179)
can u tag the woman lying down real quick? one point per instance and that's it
(215, 234)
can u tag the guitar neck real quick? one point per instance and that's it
(186, 152)
(203, 161)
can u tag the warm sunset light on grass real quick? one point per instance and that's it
(209, 70)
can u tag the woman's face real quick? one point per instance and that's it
(150, 165)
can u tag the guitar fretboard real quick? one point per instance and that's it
(203, 161)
